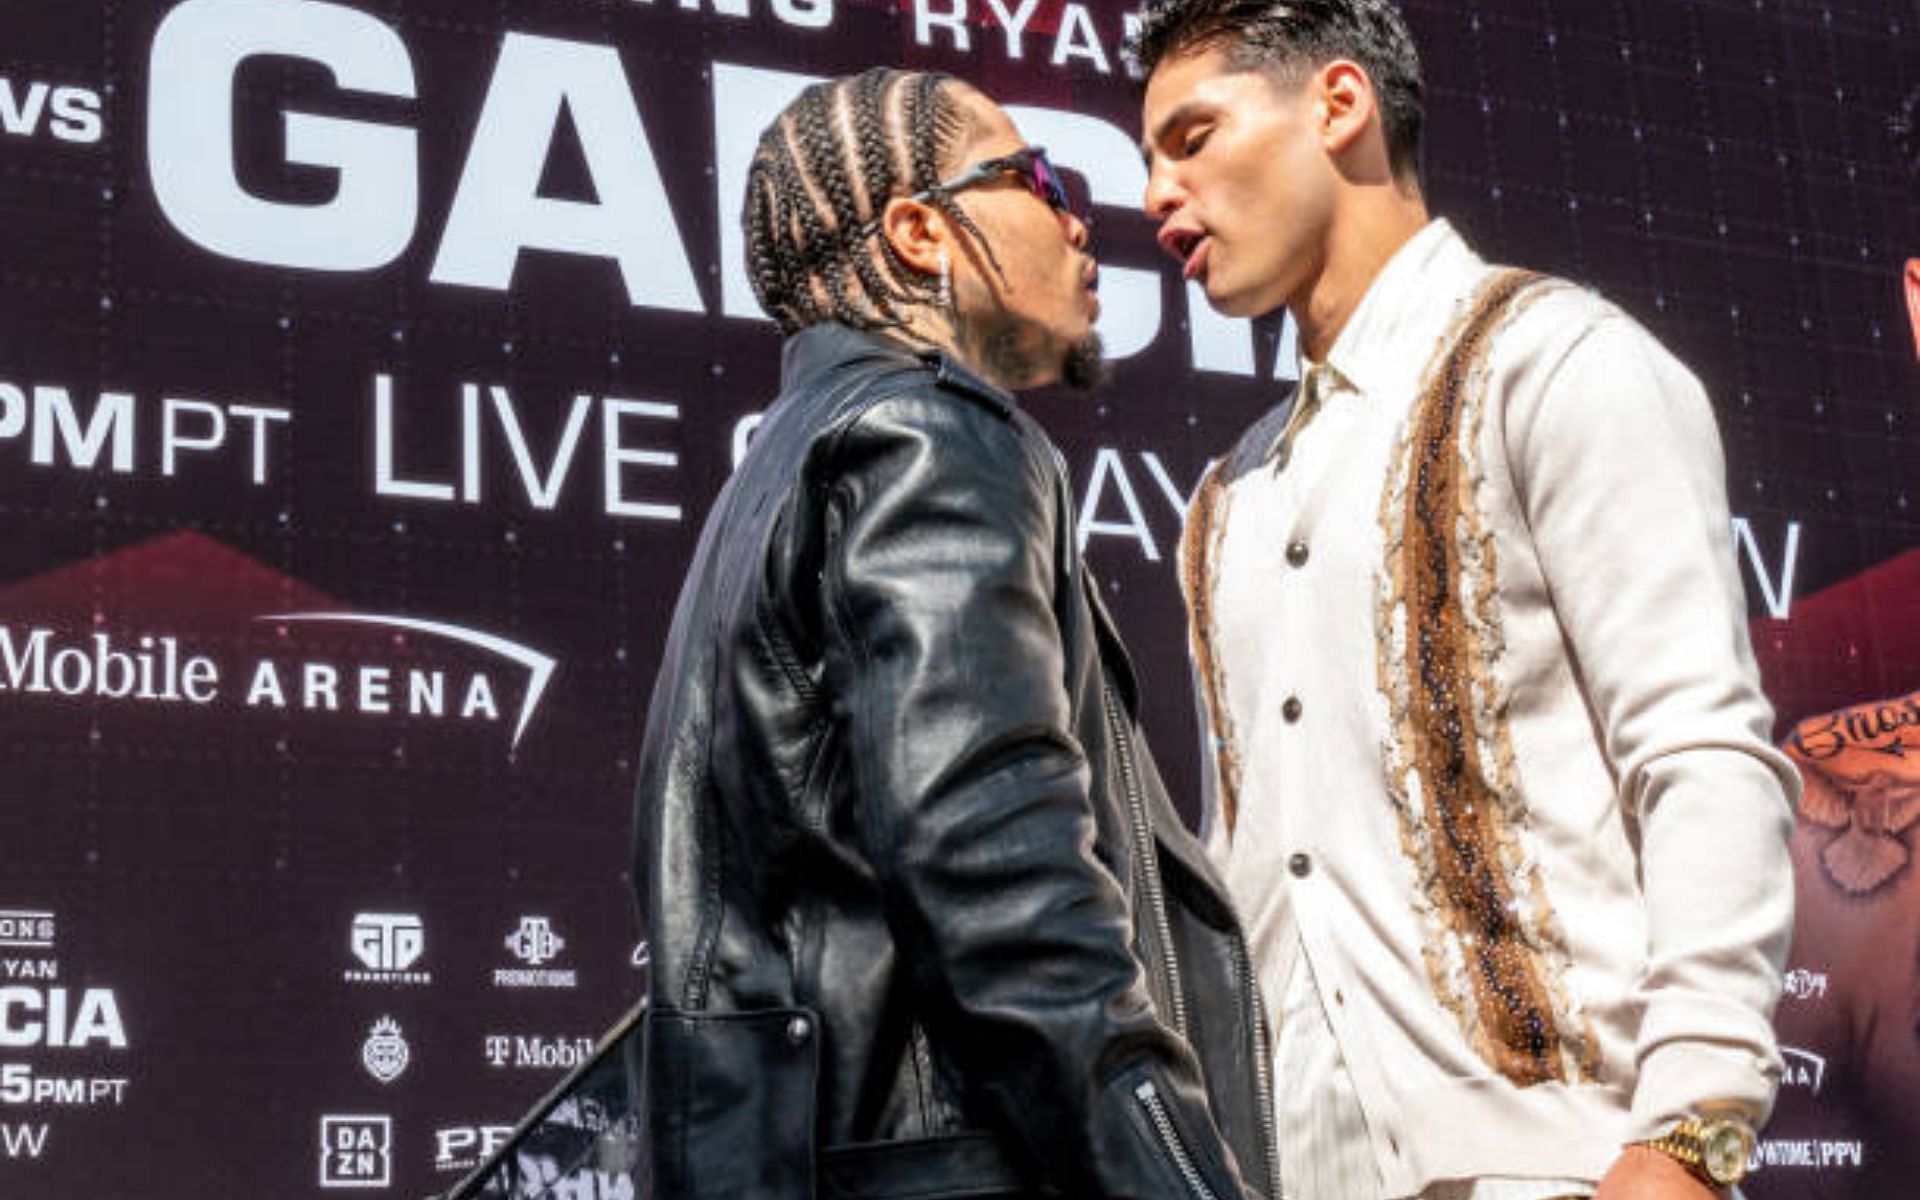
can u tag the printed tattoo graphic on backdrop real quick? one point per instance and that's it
(1847, 1122)
(1853, 985)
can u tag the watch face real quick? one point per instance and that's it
(1724, 1152)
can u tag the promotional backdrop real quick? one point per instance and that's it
(367, 367)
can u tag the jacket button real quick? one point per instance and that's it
(798, 1030)
(1291, 709)
(1297, 554)
(1301, 865)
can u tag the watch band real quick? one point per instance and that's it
(1716, 1150)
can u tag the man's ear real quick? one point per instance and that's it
(918, 232)
(1347, 104)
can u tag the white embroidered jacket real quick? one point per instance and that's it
(1570, 932)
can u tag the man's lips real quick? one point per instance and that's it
(1189, 247)
(1196, 262)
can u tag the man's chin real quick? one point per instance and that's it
(1085, 367)
(1246, 304)
(1228, 301)
(1018, 353)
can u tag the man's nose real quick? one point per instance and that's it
(1079, 229)
(1163, 194)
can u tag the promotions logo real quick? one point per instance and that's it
(535, 943)
(385, 1053)
(387, 945)
(356, 1152)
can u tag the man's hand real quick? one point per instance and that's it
(1643, 1173)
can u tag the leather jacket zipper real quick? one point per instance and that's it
(1146, 855)
(1262, 1063)
(1149, 1097)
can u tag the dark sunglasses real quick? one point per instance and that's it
(1034, 170)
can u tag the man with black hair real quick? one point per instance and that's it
(923, 920)
(1490, 774)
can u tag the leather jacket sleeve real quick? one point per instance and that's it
(944, 651)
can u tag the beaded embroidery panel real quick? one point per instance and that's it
(1200, 551)
(1494, 952)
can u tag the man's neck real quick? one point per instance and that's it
(1359, 246)
(924, 330)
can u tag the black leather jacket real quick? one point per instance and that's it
(901, 849)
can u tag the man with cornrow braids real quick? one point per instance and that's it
(923, 919)
(1492, 778)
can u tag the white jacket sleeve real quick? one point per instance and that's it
(1618, 462)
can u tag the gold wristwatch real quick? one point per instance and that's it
(1717, 1149)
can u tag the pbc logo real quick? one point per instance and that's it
(386, 945)
(356, 1152)
(535, 942)
(462, 1147)
(385, 1053)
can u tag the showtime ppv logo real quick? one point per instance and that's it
(158, 669)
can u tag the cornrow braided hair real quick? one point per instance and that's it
(820, 178)
(881, 160)
(925, 107)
